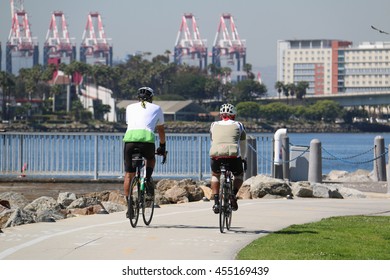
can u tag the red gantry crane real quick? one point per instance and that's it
(228, 48)
(189, 44)
(58, 47)
(22, 49)
(95, 47)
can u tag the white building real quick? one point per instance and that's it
(90, 93)
(367, 68)
(334, 66)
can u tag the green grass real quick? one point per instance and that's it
(337, 238)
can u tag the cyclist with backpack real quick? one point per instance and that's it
(228, 142)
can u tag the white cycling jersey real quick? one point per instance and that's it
(142, 121)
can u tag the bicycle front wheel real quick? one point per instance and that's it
(148, 205)
(133, 202)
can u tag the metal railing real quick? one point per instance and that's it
(100, 155)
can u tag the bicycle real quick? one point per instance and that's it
(225, 195)
(138, 198)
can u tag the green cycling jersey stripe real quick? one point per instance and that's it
(139, 135)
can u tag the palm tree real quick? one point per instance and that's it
(71, 70)
(292, 90)
(248, 69)
(6, 82)
(302, 86)
(279, 86)
(55, 90)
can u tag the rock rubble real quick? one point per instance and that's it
(16, 210)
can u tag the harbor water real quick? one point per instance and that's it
(101, 155)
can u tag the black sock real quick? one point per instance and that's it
(216, 198)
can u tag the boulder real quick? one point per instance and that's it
(5, 214)
(89, 210)
(49, 215)
(16, 200)
(117, 197)
(83, 202)
(43, 203)
(244, 192)
(262, 185)
(207, 193)
(101, 196)
(66, 198)
(173, 191)
(45, 209)
(176, 194)
(19, 217)
(360, 175)
(4, 204)
(302, 189)
(324, 190)
(112, 207)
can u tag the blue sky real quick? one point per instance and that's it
(152, 26)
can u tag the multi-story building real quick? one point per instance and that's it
(334, 66)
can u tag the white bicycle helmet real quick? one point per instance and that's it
(145, 93)
(228, 109)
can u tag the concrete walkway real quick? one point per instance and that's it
(178, 232)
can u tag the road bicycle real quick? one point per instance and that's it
(226, 193)
(140, 199)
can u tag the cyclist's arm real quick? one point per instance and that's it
(243, 145)
(243, 148)
(161, 133)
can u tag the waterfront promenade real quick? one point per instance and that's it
(187, 231)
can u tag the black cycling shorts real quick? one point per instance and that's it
(147, 151)
(235, 165)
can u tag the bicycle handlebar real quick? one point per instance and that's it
(164, 160)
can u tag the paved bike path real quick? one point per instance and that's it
(186, 231)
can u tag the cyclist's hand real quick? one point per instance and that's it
(161, 150)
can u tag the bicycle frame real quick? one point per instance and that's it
(137, 196)
(225, 193)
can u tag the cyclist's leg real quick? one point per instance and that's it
(238, 172)
(215, 184)
(129, 169)
(126, 183)
(148, 152)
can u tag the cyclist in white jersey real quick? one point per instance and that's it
(142, 119)
(228, 144)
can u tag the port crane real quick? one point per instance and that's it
(21, 48)
(58, 46)
(228, 48)
(95, 47)
(189, 46)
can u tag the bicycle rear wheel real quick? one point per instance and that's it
(222, 206)
(228, 209)
(148, 205)
(133, 202)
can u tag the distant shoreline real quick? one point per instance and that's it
(202, 127)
